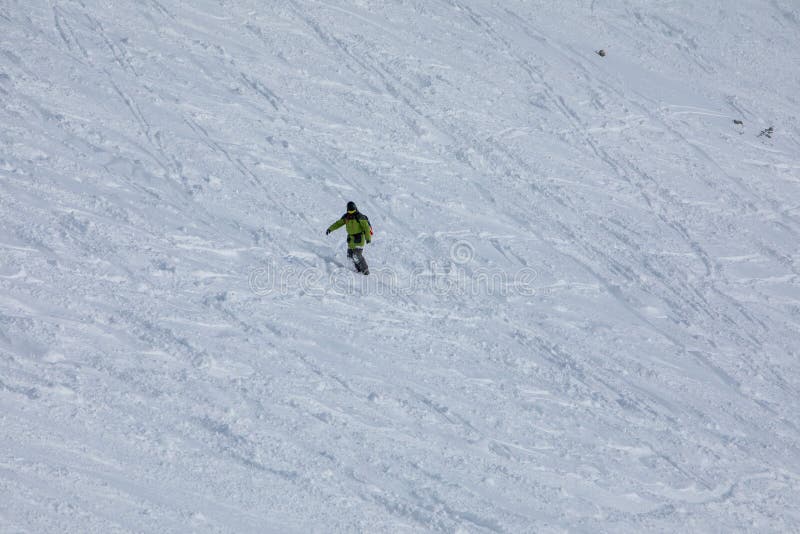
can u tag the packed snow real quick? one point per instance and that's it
(583, 312)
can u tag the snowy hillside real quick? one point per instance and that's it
(584, 307)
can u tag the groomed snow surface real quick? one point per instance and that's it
(584, 307)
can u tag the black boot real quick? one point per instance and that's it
(356, 255)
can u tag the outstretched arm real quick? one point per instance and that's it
(335, 226)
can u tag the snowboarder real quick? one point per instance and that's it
(359, 232)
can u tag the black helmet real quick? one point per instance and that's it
(351, 206)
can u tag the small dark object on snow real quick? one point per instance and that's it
(737, 121)
(601, 53)
(767, 132)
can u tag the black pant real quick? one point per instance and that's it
(356, 255)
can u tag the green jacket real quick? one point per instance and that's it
(359, 231)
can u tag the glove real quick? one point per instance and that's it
(327, 231)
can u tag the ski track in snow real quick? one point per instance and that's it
(157, 155)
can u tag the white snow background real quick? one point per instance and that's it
(584, 311)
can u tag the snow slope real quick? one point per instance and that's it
(584, 312)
